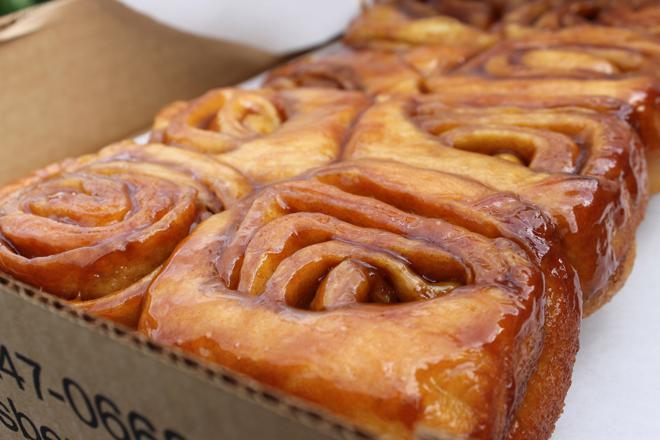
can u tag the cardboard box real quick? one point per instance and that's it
(66, 375)
(78, 74)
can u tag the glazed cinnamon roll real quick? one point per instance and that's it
(93, 230)
(405, 300)
(374, 72)
(576, 62)
(408, 23)
(268, 135)
(640, 15)
(478, 13)
(585, 168)
(432, 42)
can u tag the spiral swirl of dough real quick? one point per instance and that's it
(87, 228)
(380, 292)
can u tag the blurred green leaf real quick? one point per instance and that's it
(7, 6)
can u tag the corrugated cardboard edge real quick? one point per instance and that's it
(227, 380)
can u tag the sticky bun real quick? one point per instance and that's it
(267, 135)
(376, 73)
(408, 24)
(94, 229)
(639, 15)
(404, 231)
(430, 40)
(406, 300)
(582, 61)
(585, 168)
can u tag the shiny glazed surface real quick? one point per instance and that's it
(585, 168)
(420, 32)
(640, 15)
(431, 281)
(406, 24)
(374, 72)
(95, 229)
(400, 298)
(91, 227)
(267, 135)
(580, 61)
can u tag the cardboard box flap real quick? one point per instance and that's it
(79, 74)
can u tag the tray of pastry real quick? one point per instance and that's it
(408, 229)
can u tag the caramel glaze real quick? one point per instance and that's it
(267, 135)
(93, 229)
(403, 299)
(374, 72)
(581, 61)
(585, 168)
(378, 72)
(123, 307)
(408, 24)
(552, 15)
(428, 41)
(479, 13)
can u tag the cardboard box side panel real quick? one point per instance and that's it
(96, 72)
(112, 390)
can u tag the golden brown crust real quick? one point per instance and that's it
(123, 307)
(616, 283)
(93, 229)
(296, 263)
(267, 135)
(374, 72)
(653, 159)
(109, 220)
(581, 61)
(430, 283)
(551, 15)
(408, 24)
(481, 14)
(532, 152)
(421, 34)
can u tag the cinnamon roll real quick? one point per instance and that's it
(575, 62)
(432, 42)
(481, 14)
(408, 23)
(583, 167)
(374, 72)
(405, 300)
(640, 15)
(267, 135)
(93, 230)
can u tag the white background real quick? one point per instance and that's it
(275, 25)
(616, 383)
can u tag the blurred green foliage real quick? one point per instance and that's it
(7, 6)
